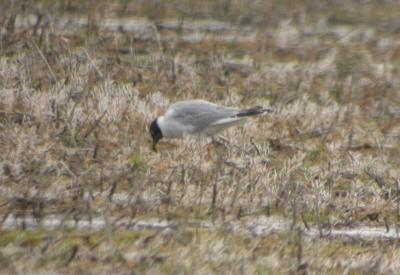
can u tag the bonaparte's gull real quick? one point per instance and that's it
(198, 117)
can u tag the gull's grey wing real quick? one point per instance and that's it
(199, 114)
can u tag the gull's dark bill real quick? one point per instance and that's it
(154, 147)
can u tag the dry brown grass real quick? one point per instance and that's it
(76, 97)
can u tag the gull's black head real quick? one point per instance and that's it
(155, 132)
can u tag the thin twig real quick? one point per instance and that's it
(54, 78)
(95, 124)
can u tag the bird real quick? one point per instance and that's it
(198, 117)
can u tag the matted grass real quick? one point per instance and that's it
(79, 88)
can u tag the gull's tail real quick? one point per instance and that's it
(258, 110)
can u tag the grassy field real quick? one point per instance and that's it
(81, 191)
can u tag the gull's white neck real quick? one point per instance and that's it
(161, 123)
(163, 127)
(171, 128)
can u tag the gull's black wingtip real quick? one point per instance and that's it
(254, 111)
(268, 110)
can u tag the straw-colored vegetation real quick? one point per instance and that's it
(81, 190)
